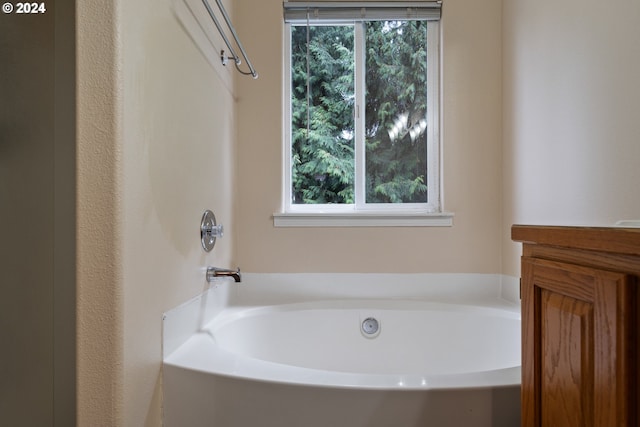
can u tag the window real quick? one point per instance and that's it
(362, 111)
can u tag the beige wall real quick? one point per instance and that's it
(156, 132)
(571, 109)
(471, 150)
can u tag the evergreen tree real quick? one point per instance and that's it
(396, 85)
(323, 113)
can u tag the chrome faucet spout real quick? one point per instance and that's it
(213, 272)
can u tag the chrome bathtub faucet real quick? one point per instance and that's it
(213, 272)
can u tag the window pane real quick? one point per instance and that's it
(395, 114)
(322, 131)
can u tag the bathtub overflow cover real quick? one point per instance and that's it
(370, 326)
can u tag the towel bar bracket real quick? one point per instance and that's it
(223, 58)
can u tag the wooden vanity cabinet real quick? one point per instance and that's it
(579, 326)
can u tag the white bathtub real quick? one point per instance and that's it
(437, 358)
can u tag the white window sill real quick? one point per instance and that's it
(363, 219)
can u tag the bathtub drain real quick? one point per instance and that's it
(370, 326)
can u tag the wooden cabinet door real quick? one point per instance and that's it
(576, 346)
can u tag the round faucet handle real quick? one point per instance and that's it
(209, 230)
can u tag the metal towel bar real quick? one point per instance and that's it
(235, 57)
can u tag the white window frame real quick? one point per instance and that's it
(361, 213)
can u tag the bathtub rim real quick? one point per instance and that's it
(200, 354)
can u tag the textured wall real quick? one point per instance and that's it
(99, 216)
